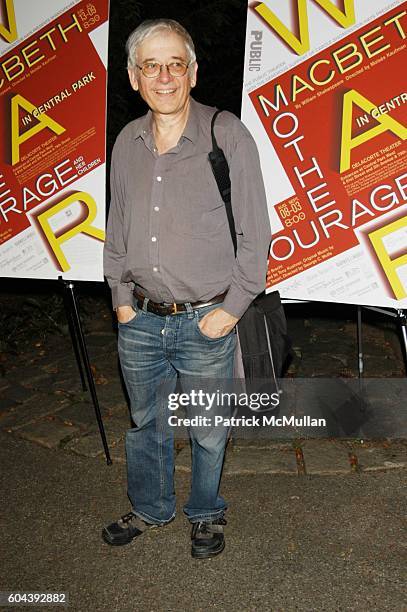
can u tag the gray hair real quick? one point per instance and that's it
(152, 26)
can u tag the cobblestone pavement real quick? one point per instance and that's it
(42, 399)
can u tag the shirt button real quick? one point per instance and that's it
(155, 269)
(153, 239)
(163, 331)
(159, 179)
(156, 208)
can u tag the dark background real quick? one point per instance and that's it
(218, 31)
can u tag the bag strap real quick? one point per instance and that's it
(220, 169)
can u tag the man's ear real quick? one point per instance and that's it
(193, 77)
(132, 77)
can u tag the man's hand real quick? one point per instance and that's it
(125, 314)
(217, 323)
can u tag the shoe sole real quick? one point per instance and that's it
(207, 554)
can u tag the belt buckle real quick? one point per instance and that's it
(174, 308)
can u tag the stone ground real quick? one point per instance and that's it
(42, 399)
(328, 529)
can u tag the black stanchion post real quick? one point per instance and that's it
(360, 346)
(68, 312)
(80, 339)
(401, 315)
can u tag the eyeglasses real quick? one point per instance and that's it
(151, 70)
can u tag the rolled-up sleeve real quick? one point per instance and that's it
(252, 223)
(114, 254)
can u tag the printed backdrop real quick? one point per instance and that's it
(325, 97)
(53, 58)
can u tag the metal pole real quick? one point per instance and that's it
(74, 339)
(360, 347)
(85, 357)
(401, 315)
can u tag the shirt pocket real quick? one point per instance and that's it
(195, 206)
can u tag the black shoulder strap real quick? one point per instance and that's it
(220, 171)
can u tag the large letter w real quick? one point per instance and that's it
(301, 45)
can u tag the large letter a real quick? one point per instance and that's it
(17, 139)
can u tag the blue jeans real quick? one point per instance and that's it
(154, 350)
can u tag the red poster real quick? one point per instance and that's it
(53, 117)
(337, 122)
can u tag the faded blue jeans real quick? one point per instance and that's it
(154, 350)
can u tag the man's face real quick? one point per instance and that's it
(164, 94)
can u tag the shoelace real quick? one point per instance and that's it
(127, 518)
(204, 527)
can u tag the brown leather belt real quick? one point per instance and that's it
(163, 309)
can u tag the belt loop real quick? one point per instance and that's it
(145, 302)
(190, 310)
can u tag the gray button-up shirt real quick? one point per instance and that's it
(168, 233)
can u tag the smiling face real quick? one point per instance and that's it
(164, 94)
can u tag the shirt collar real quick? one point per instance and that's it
(191, 129)
(143, 127)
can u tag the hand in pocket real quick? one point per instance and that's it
(125, 314)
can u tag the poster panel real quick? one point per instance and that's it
(53, 74)
(325, 97)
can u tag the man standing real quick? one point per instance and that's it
(177, 288)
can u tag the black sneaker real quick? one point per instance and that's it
(125, 530)
(207, 538)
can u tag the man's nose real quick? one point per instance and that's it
(164, 75)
